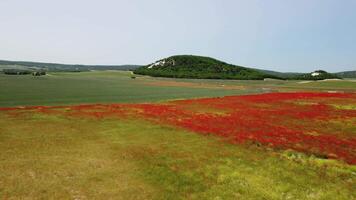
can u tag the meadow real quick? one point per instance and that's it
(117, 87)
(103, 135)
(92, 87)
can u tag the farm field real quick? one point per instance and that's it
(118, 87)
(295, 145)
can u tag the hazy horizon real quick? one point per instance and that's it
(286, 36)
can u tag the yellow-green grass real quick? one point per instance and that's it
(59, 157)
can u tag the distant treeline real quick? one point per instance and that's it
(16, 71)
(66, 67)
(23, 72)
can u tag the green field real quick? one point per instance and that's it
(91, 87)
(116, 86)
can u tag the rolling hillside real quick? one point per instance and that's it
(315, 75)
(347, 74)
(284, 75)
(189, 66)
(204, 67)
(296, 75)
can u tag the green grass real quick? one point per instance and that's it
(92, 87)
(55, 157)
(118, 87)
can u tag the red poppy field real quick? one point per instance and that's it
(305, 122)
(302, 143)
(318, 124)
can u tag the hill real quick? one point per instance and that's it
(190, 66)
(315, 75)
(305, 76)
(24, 65)
(185, 67)
(347, 74)
(284, 75)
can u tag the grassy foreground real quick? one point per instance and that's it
(46, 156)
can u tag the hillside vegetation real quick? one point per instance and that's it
(316, 75)
(308, 76)
(189, 66)
(284, 75)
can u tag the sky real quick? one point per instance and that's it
(281, 35)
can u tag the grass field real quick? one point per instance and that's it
(84, 152)
(146, 146)
(116, 86)
(92, 87)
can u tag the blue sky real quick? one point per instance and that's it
(283, 35)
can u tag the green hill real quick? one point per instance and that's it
(284, 75)
(316, 75)
(189, 66)
(309, 76)
(347, 74)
